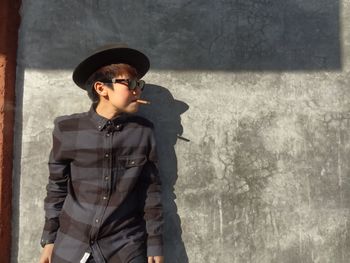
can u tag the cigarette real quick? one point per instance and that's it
(143, 101)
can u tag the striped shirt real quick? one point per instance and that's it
(104, 190)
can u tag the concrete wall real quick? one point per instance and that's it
(259, 92)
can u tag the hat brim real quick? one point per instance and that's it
(109, 56)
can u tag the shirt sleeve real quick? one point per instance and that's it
(153, 206)
(59, 172)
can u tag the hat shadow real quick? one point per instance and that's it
(164, 111)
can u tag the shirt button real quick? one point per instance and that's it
(91, 242)
(106, 155)
(107, 134)
(105, 197)
(106, 178)
(132, 162)
(96, 220)
(109, 122)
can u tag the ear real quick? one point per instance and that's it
(100, 88)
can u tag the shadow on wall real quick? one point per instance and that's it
(193, 35)
(165, 112)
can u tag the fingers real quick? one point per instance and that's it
(156, 259)
(43, 259)
(46, 254)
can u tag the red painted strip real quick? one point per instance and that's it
(9, 24)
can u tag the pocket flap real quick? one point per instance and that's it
(132, 160)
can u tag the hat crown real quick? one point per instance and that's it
(110, 46)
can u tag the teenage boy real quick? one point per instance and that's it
(103, 200)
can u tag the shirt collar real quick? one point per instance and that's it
(101, 122)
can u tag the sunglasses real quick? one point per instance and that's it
(131, 83)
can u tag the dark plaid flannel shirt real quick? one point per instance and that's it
(104, 190)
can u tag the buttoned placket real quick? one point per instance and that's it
(107, 174)
(108, 135)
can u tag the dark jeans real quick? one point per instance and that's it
(138, 259)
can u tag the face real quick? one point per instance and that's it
(120, 97)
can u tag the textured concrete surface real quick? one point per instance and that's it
(251, 104)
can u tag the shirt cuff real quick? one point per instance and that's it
(47, 238)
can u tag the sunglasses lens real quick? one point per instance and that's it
(133, 84)
(141, 84)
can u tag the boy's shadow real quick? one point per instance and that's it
(164, 111)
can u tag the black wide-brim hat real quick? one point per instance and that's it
(112, 54)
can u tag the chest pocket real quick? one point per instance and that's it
(128, 170)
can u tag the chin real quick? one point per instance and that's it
(132, 110)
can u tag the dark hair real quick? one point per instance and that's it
(107, 73)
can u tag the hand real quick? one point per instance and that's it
(156, 259)
(46, 254)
